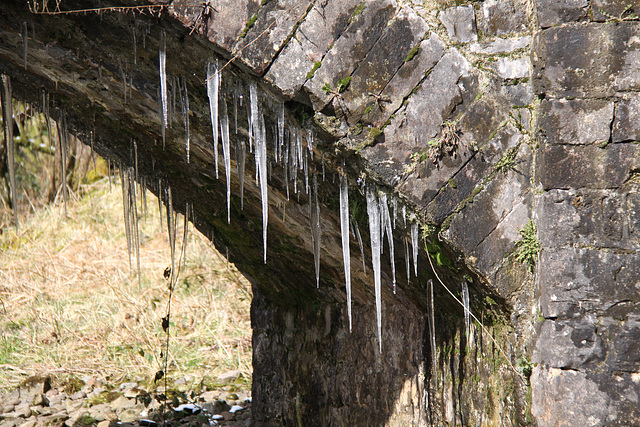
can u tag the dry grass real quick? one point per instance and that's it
(69, 304)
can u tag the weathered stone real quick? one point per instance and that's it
(623, 335)
(563, 166)
(576, 281)
(122, 403)
(463, 183)
(568, 398)
(229, 376)
(508, 68)
(519, 94)
(501, 17)
(575, 122)
(405, 80)
(372, 75)
(272, 27)
(593, 60)
(460, 23)
(102, 412)
(415, 124)
(232, 13)
(626, 125)
(501, 45)
(569, 344)
(352, 46)
(554, 12)
(309, 45)
(606, 10)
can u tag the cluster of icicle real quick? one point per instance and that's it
(292, 148)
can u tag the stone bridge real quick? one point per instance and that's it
(492, 125)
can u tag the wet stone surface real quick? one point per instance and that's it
(130, 404)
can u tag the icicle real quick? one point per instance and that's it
(373, 210)
(261, 155)
(124, 182)
(386, 224)
(414, 243)
(25, 42)
(213, 85)
(404, 215)
(394, 204)
(134, 211)
(344, 229)
(310, 142)
(7, 116)
(306, 173)
(432, 330)
(322, 166)
(407, 258)
(133, 34)
(185, 112)
(280, 142)
(241, 153)
(285, 166)
(226, 153)
(163, 85)
(359, 237)
(253, 118)
(316, 232)
(465, 302)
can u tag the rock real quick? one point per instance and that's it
(40, 399)
(554, 12)
(31, 422)
(127, 386)
(626, 126)
(22, 411)
(122, 403)
(501, 45)
(229, 377)
(512, 68)
(569, 344)
(501, 17)
(77, 416)
(227, 416)
(611, 8)
(575, 122)
(460, 23)
(7, 408)
(105, 423)
(78, 395)
(130, 415)
(102, 412)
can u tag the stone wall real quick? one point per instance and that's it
(478, 117)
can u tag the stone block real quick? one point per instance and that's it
(509, 68)
(575, 281)
(471, 174)
(351, 48)
(555, 12)
(502, 17)
(575, 122)
(594, 60)
(227, 21)
(519, 94)
(564, 166)
(405, 80)
(626, 125)
(624, 343)
(274, 25)
(321, 27)
(569, 398)
(460, 23)
(415, 124)
(604, 10)
(382, 62)
(501, 45)
(569, 344)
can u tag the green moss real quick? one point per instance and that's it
(358, 11)
(263, 2)
(528, 247)
(343, 84)
(249, 25)
(374, 133)
(311, 73)
(453, 184)
(412, 53)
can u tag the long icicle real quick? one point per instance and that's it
(7, 114)
(414, 243)
(373, 210)
(163, 85)
(213, 86)
(386, 223)
(344, 230)
(261, 155)
(226, 153)
(465, 302)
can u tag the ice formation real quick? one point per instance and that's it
(163, 85)
(414, 243)
(373, 209)
(465, 303)
(213, 85)
(344, 230)
(385, 225)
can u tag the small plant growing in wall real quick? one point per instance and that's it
(528, 247)
(625, 15)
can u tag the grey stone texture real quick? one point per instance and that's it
(555, 12)
(586, 60)
(575, 122)
(460, 22)
(503, 17)
(626, 126)
(607, 10)
(501, 45)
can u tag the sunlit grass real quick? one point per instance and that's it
(71, 305)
